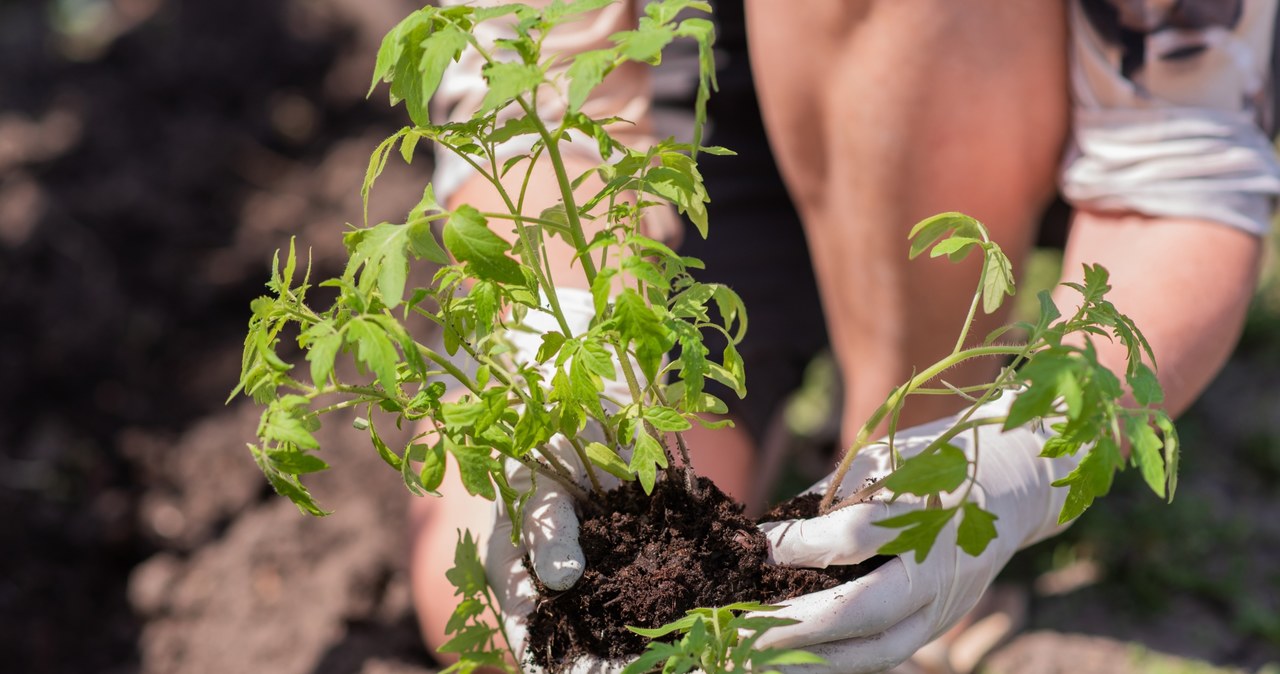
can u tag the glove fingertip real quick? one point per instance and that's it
(559, 564)
(783, 537)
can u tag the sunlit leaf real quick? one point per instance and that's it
(920, 529)
(937, 472)
(977, 529)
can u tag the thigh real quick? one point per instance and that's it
(885, 112)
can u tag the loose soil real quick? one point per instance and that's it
(651, 559)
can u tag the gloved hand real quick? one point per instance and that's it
(879, 620)
(549, 531)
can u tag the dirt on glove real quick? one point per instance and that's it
(651, 559)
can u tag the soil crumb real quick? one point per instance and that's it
(651, 559)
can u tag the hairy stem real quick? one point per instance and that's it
(871, 489)
(864, 435)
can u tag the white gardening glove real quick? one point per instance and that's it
(881, 619)
(549, 531)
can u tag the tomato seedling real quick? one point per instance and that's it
(645, 304)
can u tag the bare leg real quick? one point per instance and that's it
(884, 112)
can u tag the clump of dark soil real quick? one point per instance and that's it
(651, 559)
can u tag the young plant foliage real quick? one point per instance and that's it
(491, 275)
(1056, 379)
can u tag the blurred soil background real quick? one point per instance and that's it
(153, 153)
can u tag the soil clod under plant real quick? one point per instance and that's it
(651, 558)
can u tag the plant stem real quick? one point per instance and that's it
(690, 479)
(869, 490)
(586, 464)
(492, 605)
(864, 435)
(576, 234)
(977, 295)
(549, 224)
(563, 479)
(637, 396)
(453, 370)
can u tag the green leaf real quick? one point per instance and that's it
(467, 574)
(597, 359)
(587, 71)
(641, 268)
(1145, 386)
(418, 73)
(294, 491)
(375, 349)
(433, 467)
(423, 244)
(732, 309)
(297, 463)
(463, 413)
(693, 365)
(667, 10)
(601, 289)
(920, 529)
(679, 182)
(736, 370)
(956, 248)
(928, 231)
(467, 236)
(977, 529)
(391, 458)
(1049, 375)
(1170, 434)
(381, 252)
(998, 280)
(584, 385)
(609, 461)
(646, 458)
(666, 419)
(551, 343)
(644, 44)
(392, 46)
(703, 32)
(1090, 479)
(1145, 445)
(411, 479)
(474, 467)
(777, 657)
(468, 608)
(573, 8)
(657, 653)
(514, 128)
(323, 343)
(534, 428)
(692, 301)
(470, 638)
(282, 426)
(507, 81)
(291, 265)
(638, 324)
(678, 625)
(1048, 310)
(934, 473)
